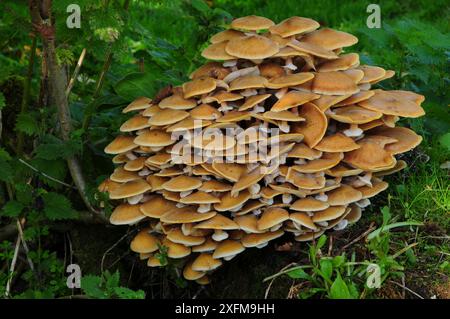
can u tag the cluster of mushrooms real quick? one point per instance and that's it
(205, 176)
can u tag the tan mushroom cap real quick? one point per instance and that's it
(354, 215)
(406, 139)
(182, 183)
(135, 165)
(343, 195)
(205, 262)
(251, 47)
(344, 62)
(218, 222)
(356, 98)
(135, 123)
(354, 114)
(226, 36)
(309, 236)
(248, 82)
(250, 206)
(248, 223)
(253, 240)
(138, 104)
(252, 23)
(144, 242)
(205, 112)
(186, 214)
(230, 171)
(370, 156)
(154, 138)
(216, 51)
(292, 99)
(213, 69)
(107, 185)
(327, 101)
(327, 161)
(203, 281)
(229, 202)
(200, 198)
(222, 96)
(120, 175)
(392, 103)
(130, 189)
(156, 182)
(304, 220)
(215, 186)
(342, 170)
(377, 187)
(287, 116)
(308, 204)
(286, 51)
(234, 116)
(253, 100)
(157, 206)
(188, 124)
(272, 216)
(167, 117)
(198, 87)
(176, 235)
(330, 39)
(126, 214)
(177, 102)
(371, 73)
(305, 181)
(303, 151)
(150, 111)
(398, 167)
(271, 70)
(328, 214)
(228, 248)
(175, 250)
(315, 126)
(337, 143)
(120, 144)
(289, 80)
(120, 158)
(191, 274)
(248, 179)
(313, 49)
(208, 245)
(333, 83)
(293, 26)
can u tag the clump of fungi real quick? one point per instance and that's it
(203, 173)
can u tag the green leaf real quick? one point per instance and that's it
(134, 85)
(2, 101)
(326, 268)
(27, 124)
(58, 207)
(445, 140)
(4, 155)
(91, 285)
(112, 280)
(6, 171)
(126, 293)
(54, 168)
(386, 228)
(338, 261)
(201, 6)
(298, 274)
(322, 240)
(24, 193)
(339, 289)
(12, 209)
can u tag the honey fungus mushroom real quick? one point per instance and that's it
(279, 133)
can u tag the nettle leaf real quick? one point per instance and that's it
(126, 293)
(26, 123)
(6, 171)
(12, 209)
(92, 287)
(57, 207)
(54, 168)
(53, 148)
(445, 140)
(134, 85)
(24, 193)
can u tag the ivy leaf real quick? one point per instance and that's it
(12, 209)
(339, 289)
(91, 285)
(58, 207)
(26, 123)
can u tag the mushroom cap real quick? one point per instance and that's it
(303, 151)
(392, 103)
(309, 236)
(130, 189)
(222, 96)
(327, 101)
(198, 87)
(247, 180)
(176, 102)
(287, 116)
(369, 157)
(343, 195)
(234, 116)
(271, 70)
(156, 182)
(126, 214)
(315, 126)
(208, 245)
(398, 167)
(175, 250)
(342, 170)
(182, 183)
(251, 47)
(186, 214)
(292, 99)
(305, 181)
(215, 186)
(313, 49)
(371, 73)
(333, 83)
(218, 222)
(135, 123)
(344, 62)
(191, 274)
(153, 261)
(294, 25)
(304, 220)
(203, 281)
(249, 206)
(354, 215)
(248, 223)
(205, 262)
(289, 80)
(354, 114)
(356, 98)
(377, 187)
(216, 51)
(327, 161)
(213, 69)
(308, 204)
(337, 143)
(253, 240)
(228, 202)
(248, 82)
(406, 139)
(157, 206)
(330, 39)
(230, 171)
(205, 112)
(154, 138)
(168, 116)
(144, 242)
(121, 144)
(272, 216)
(107, 185)
(228, 248)
(121, 175)
(226, 36)
(252, 23)
(328, 214)
(151, 110)
(138, 104)
(200, 198)
(188, 124)
(135, 165)
(176, 235)
(253, 100)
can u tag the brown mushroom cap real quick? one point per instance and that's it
(176, 235)
(406, 138)
(333, 83)
(252, 23)
(304, 220)
(130, 189)
(226, 36)
(327, 161)
(126, 214)
(205, 262)
(120, 175)
(253, 240)
(354, 114)
(228, 202)
(182, 183)
(308, 204)
(337, 143)
(246, 180)
(342, 170)
(228, 248)
(305, 181)
(200, 198)
(293, 26)
(121, 144)
(213, 69)
(191, 274)
(168, 116)
(289, 80)
(343, 195)
(303, 151)
(215, 186)
(315, 126)
(216, 51)
(135, 123)
(138, 104)
(272, 216)
(344, 62)
(205, 112)
(253, 100)
(309, 236)
(135, 165)
(356, 98)
(398, 167)
(354, 215)
(198, 87)
(392, 103)
(377, 187)
(251, 47)
(218, 222)
(157, 206)
(144, 242)
(248, 82)
(208, 245)
(313, 49)
(176, 102)
(184, 215)
(330, 39)
(370, 157)
(230, 171)
(371, 73)
(175, 250)
(293, 99)
(248, 223)
(154, 138)
(328, 214)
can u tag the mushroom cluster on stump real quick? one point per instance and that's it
(204, 175)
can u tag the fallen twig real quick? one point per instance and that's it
(12, 267)
(407, 289)
(44, 174)
(361, 236)
(25, 246)
(75, 72)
